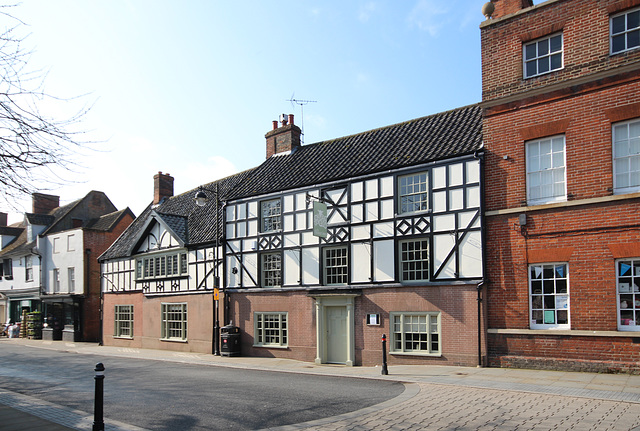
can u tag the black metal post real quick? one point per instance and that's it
(384, 355)
(98, 419)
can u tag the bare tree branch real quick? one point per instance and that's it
(32, 144)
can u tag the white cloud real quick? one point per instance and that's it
(366, 10)
(427, 15)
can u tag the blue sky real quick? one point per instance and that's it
(191, 87)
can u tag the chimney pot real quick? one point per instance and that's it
(275, 124)
(291, 119)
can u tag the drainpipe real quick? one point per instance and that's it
(479, 155)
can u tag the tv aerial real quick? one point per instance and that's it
(301, 103)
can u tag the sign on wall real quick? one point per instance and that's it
(320, 219)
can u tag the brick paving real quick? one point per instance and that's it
(445, 407)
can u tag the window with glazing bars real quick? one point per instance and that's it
(336, 265)
(271, 329)
(270, 213)
(413, 192)
(174, 321)
(271, 269)
(414, 260)
(416, 333)
(123, 321)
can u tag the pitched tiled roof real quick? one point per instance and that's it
(39, 219)
(441, 136)
(108, 221)
(425, 139)
(194, 224)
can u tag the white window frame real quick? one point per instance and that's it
(56, 245)
(28, 268)
(628, 294)
(625, 33)
(55, 276)
(271, 215)
(539, 169)
(538, 43)
(269, 274)
(173, 321)
(277, 332)
(71, 278)
(626, 153)
(540, 311)
(407, 262)
(123, 321)
(161, 266)
(413, 191)
(335, 266)
(425, 325)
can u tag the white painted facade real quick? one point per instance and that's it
(363, 215)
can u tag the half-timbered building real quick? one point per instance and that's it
(318, 252)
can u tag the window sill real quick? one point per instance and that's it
(431, 355)
(119, 337)
(174, 340)
(267, 346)
(564, 332)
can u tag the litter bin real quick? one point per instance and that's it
(230, 338)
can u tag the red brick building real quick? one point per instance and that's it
(561, 99)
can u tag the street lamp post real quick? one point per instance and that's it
(201, 199)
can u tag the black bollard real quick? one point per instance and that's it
(98, 420)
(384, 355)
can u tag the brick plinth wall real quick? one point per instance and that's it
(457, 304)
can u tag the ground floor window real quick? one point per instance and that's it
(628, 280)
(123, 321)
(174, 321)
(270, 329)
(415, 333)
(549, 292)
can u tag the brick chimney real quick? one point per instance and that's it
(3, 219)
(162, 187)
(43, 204)
(283, 137)
(507, 7)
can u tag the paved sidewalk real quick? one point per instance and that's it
(440, 397)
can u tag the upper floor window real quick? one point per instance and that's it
(56, 279)
(336, 265)
(414, 260)
(71, 279)
(626, 156)
(549, 288)
(270, 215)
(161, 266)
(7, 269)
(28, 268)
(625, 31)
(56, 245)
(542, 56)
(271, 269)
(546, 177)
(413, 193)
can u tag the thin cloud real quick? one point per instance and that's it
(427, 15)
(366, 10)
